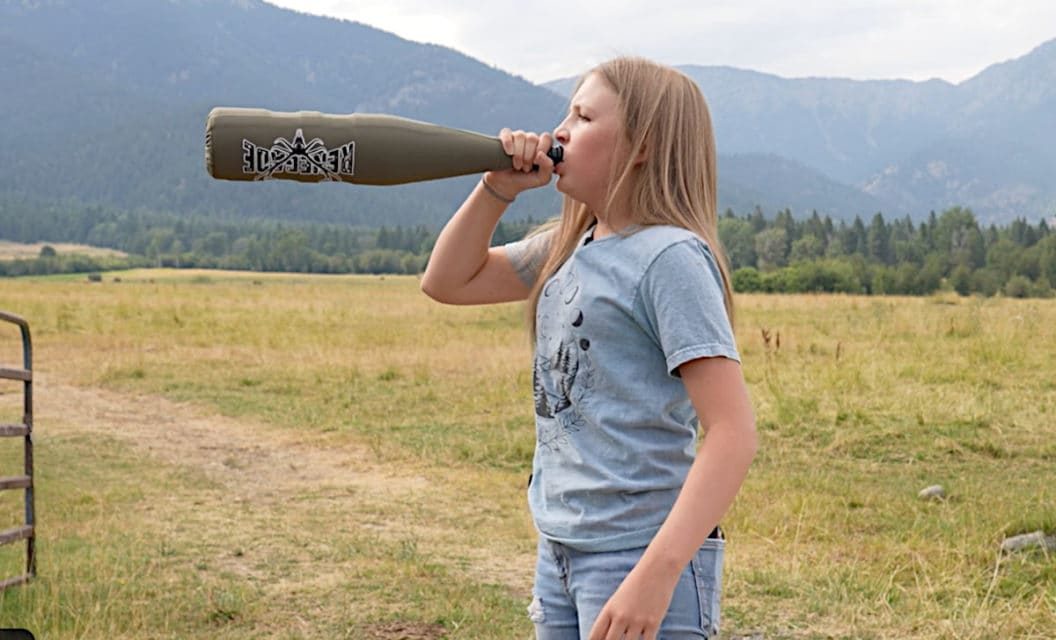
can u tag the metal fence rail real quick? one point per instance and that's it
(26, 531)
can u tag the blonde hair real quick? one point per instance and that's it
(665, 114)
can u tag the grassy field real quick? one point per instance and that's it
(231, 455)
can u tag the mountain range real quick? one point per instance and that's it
(103, 103)
(988, 143)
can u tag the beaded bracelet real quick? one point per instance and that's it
(492, 191)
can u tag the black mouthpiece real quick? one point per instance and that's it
(556, 153)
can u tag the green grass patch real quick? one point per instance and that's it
(865, 402)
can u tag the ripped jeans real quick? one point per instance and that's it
(571, 587)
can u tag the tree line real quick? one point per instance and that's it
(163, 240)
(779, 254)
(950, 250)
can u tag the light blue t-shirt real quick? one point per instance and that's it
(616, 432)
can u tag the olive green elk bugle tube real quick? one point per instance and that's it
(361, 148)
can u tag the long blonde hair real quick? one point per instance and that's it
(665, 114)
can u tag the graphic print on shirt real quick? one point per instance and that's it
(562, 371)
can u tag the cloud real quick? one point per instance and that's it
(913, 39)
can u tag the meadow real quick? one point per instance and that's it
(231, 455)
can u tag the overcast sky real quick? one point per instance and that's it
(546, 39)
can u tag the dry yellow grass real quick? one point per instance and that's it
(23, 251)
(337, 456)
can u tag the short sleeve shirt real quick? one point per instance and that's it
(616, 432)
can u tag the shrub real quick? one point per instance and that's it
(1018, 287)
(747, 280)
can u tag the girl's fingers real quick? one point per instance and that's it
(518, 150)
(600, 630)
(531, 145)
(526, 150)
(546, 166)
(523, 146)
(545, 142)
(506, 136)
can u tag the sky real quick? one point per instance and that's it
(544, 40)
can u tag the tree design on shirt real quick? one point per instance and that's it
(562, 369)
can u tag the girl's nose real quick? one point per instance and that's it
(561, 135)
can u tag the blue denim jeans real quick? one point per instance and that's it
(571, 587)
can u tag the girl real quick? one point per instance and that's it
(630, 307)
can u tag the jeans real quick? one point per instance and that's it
(571, 587)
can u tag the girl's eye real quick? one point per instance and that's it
(584, 118)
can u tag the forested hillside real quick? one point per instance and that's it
(108, 100)
(901, 147)
(104, 105)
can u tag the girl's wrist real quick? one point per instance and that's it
(661, 566)
(495, 193)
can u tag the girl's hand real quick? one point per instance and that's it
(637, 608)
(526, 149)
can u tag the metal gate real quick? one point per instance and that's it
(27, 530)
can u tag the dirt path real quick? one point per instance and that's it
(254, 460)
(259, 464)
